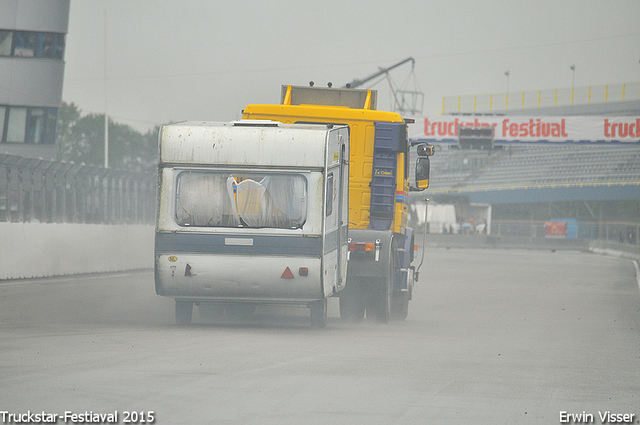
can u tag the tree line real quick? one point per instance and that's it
(80, 139)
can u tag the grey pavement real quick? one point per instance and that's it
(493, 336)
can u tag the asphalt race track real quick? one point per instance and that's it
(493, 337)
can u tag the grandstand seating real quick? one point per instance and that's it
(517, 167)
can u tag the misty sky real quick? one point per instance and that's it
(205, 60)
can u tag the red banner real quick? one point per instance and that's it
(556, 229)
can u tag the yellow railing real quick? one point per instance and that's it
(498, 102)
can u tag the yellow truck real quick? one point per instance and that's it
(380, 274)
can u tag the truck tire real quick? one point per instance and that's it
(184, 312)
(318, 313)
(239, 311)
(380, 299)
(352, 303)
(400, 301)
(210, 312)
(400, 306)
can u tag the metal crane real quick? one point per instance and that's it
(358, 83)
(406, 101)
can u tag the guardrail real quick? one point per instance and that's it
(501, 102)
(34, 190)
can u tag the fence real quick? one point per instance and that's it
(541, 98)
(606, 231)
(34, 190)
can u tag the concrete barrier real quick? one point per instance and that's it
(504, 242)
(614, 249)
(30, 250)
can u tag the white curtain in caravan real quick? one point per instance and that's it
(289, 195)
(216, 199)
(203, 200)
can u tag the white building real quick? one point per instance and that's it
(32, 44)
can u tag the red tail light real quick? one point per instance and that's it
(362, 246)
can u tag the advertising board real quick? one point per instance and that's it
(536, 130)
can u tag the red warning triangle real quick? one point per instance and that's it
(287, 274)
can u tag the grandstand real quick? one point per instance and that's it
(527, 186)
(495, 175)
(598, 181)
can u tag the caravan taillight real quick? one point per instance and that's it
(362, 246)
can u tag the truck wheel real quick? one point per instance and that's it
(210, 312)
(379, 307)
(380, 301)
(400, 301)
(240, 311)
(318, 313)
(184, 312)
(400, 306)
(352, 305)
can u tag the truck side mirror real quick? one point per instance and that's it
(425, 149)
(422, 173)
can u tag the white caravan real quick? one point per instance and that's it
(252, 212)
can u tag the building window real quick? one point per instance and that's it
(6, 38)
(27, 125)
(28, 44)
(3, 112)
(17, 125)
(41, 125)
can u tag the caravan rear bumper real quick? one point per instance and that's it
(256, 278)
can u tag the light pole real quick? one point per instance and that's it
(106, 113)
(506, 98)
(573, 80)
(573, 75)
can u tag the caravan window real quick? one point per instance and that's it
(329, 194)
(236, 199)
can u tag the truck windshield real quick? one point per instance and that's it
(224, 199)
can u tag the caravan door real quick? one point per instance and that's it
(336, 214)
